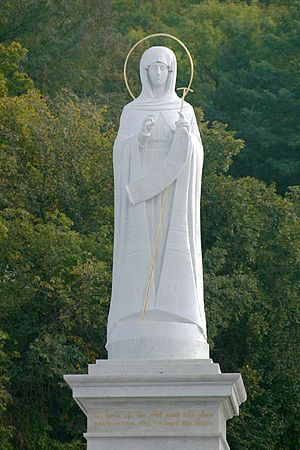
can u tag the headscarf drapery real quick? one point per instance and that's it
(146, 99)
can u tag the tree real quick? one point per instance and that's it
(70, 44)
(246, 57)
(56, 224)
(251, 240)
(12, 80)
(55, 266)
(246, 65)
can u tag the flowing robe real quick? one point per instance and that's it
(175, 160)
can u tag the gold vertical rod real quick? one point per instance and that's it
(154, 252)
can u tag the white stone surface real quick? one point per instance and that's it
(157, 150)
(158, 340)
(161, 405)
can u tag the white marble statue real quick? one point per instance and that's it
(157, 149)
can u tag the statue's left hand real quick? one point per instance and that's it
(182, 122)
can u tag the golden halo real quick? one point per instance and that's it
(185, 90)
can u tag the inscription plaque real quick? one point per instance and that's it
(152, 420)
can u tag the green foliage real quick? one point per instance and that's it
(6, 429)
(55, 293)
(70, 43)
(252, 276)
(55, 266)
(221, 144)
(56, 202)
(245, 52)
(12, 80)
(54, 157)
(247, 58)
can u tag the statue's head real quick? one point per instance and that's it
(158, 68)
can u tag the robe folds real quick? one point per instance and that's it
(178, 296)
(172, 159)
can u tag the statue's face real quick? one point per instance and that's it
(158, 74)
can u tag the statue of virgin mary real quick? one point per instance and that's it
(157, 308)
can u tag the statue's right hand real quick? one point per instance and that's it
(146, 129)
(148, 124)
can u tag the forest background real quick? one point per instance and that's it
(61, 94)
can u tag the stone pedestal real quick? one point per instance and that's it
(161, 405)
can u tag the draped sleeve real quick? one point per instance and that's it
(156, 181)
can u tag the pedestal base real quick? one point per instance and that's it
(161, 405)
